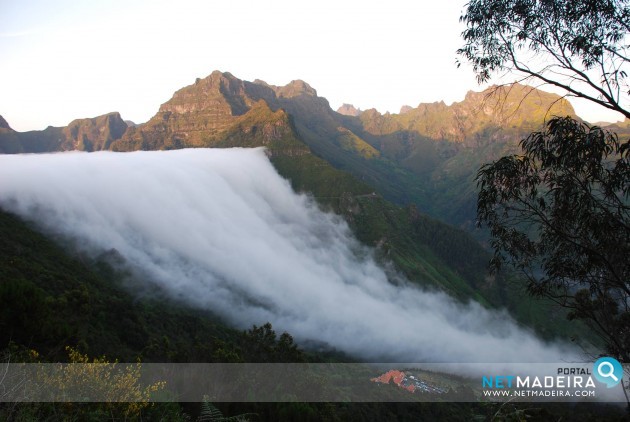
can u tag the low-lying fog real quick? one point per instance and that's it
(222, 230)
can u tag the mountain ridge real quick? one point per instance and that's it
(213, 104)
(409, 158)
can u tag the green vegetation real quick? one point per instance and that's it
(559, 214)
(52, 300)
(348, 141)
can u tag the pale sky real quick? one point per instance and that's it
(66, 59)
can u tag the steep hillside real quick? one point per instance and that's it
(428, 155)
(52, 299)
(4, 124)
(621, 128)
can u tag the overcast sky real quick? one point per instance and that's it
(61, 60)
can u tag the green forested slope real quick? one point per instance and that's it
(52, 298)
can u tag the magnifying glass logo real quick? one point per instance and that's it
(610, 373)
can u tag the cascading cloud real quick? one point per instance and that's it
(222, 230)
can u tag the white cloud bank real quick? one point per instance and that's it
(223, 231)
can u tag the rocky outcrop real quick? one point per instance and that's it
(295, 88)
(201, 114)
(348, 110)
(208, 111)
(95, 134)
(261, 126)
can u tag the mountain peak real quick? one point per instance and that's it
(4, 124)
(296, 88)
(261, 82)
(517, 104)
(211, 82)
(219, 74)
(348, 110)
(94, 134)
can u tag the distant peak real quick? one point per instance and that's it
(4, 124)
(349, 110)
(215, 77)
(296, 88)
(114, 115)
(218, 73)
(405, 109)
(104, 119)
(261, 82)
(504, 101)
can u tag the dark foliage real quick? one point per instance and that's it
(560, 213)
(580, 46)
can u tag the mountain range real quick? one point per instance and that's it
(427, 155)
(401, 181)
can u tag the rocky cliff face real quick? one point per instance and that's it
(207, 112)
(94, 134)
(193, 117)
